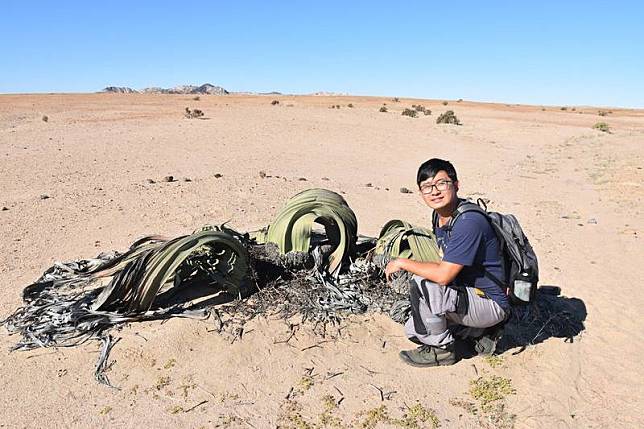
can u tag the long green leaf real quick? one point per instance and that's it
(292, 228)
(400, 239)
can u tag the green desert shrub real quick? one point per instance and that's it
(602, 126)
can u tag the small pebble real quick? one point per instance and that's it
(325, 178)
(218, 175)
(187, 179)
(262, 174)
(168, 179)
(405, 191)
(150, 181)
(4, 209)
(592, 221)
(44, 197)
(368, 185)
(302, 179)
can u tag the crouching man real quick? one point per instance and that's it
(456, 296)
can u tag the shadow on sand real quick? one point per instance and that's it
(550, 316)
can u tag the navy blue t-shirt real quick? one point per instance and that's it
(473, 244)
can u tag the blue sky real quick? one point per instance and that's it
(545, 52)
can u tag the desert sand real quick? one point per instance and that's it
(577, 192)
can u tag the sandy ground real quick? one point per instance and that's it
(577, 191)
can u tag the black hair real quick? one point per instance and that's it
(431, 168)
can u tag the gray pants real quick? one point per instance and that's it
(434, 320)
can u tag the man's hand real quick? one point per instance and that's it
(393, 266)
(442, 272)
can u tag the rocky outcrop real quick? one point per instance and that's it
(120, 90)
(206, 88)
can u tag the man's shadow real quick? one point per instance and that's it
(549, 316)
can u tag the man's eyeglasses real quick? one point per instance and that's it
(443, 185)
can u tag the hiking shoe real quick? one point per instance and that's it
(429, 356)
(485, 345)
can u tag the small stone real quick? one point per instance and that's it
(168, 179)
(44, 197)
(302, 179)
(218, 175)
(150, 181)
(386, 189)
(4, 209)
(262, 174)
(404, 190)
(592, 221)
(326, 178)
(368, 185)
(187, 179)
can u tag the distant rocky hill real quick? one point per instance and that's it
(120, 90)
(206, 88)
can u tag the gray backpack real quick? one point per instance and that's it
(520, 262)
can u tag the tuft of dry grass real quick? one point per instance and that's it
(489, 390)
(383, 109)
(494, 361)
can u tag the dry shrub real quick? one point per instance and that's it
(448, 118)
(193, 114)
(275, 102)
(383, 109)
(410, 113)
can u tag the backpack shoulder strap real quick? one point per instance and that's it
(434, 221)
(467, 206)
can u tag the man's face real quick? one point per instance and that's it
(439, 191)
